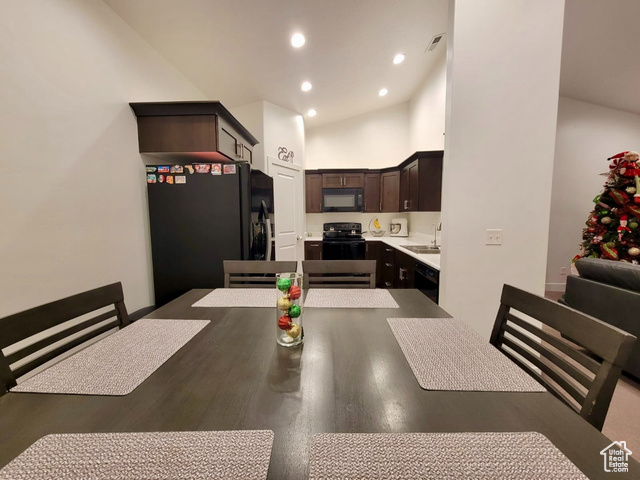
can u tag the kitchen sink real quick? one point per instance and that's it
(420, 249)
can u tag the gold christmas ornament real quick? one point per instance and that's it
(634, 251)
(294, 331)
(630, 190)
(605, 220)
(284, 304)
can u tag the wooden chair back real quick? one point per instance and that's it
(339, 273)
(254, 273)
(579, 361)
(34, 332)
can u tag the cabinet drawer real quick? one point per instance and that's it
(313, 250)
(388, 254)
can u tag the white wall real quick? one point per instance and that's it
(427, 107)
(373, 140)
(502, 99)
(73, 193)
(274, 127)
(587, 135)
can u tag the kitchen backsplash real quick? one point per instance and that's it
(420, 223)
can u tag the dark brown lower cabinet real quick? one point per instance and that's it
(372, 252)
(404, 270)
(313, 250)
(388, 258)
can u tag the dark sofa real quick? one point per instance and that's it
(609, 291)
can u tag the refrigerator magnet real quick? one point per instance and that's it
(151, 178)
(181, 179)
(151, 169)
(229, 170)
(216, 169)
(169, 179)
(160, 178)
(163, 169)
(177, 169)
(190, 168)
(203, 167)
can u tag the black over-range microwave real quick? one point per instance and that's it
(343, 199)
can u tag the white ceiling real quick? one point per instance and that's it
(239, 51)
(601, 53)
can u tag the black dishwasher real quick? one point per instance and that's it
(426, 279)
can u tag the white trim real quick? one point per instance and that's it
(555, 287)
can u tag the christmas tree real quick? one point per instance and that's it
(613, 230)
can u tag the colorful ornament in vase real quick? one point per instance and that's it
(289, 332)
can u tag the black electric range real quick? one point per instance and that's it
(343, 241)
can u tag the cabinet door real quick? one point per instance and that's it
(353, 180)
(430, 184)
(332, 180)
(404, 190)
(313, 192)
(313, 250)
(404, 270)
(390, 191)
(372, 193)
(388, 266)
(414, 186)
(229, 142)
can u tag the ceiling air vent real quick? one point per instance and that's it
(434, 42)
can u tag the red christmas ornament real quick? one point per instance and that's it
(284, 322)
(294, 292)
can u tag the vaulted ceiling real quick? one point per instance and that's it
(601, 53)
(239, 51)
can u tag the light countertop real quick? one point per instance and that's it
(430, 259)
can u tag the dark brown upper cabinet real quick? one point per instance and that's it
(192, 132)
(414, 186)
(313, 192)
(389, 191)
(342, 180)
(371, 192)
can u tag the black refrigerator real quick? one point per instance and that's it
(197, 220)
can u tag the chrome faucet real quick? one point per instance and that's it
(437, 229)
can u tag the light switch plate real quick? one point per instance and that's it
(494, 237)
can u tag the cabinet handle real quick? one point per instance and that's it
(387, 284)
(365, 206)
(406, 202)
(314, 245)
(389, 249)
(380, 206)
(403, 271)
(388, 265)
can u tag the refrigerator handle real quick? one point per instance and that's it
(269, 242)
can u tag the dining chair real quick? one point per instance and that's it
(339, 273)
(254, 273)
(576, 357)
(31, 338)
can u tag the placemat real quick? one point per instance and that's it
(239, 297)
(441, 456)
(447, 354)
(349, 298)
(156, 455)
(117, 364)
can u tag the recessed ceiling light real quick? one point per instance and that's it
(306, 86)
(312, 112)
(383, 92)
(399, 58)
(297, 40)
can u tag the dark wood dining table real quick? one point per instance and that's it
(349, 376)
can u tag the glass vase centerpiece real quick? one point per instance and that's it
(289, 307)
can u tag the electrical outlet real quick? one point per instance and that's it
(563, 270)
(494, 237)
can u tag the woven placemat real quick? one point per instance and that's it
(239, 297)
(157, 456)
(447, 354)
(117, 364)
(349, 298)
(438, 456)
